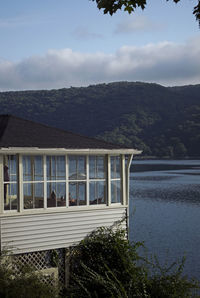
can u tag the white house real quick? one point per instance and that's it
(56, 186)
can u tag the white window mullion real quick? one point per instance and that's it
(130, 157)
(20, 183)
(1, 184)
(87, 181)
(123, 180)
(67, 181)
(45, 180)
(108, 181)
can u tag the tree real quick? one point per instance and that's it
(112, 6)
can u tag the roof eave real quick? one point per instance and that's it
(36, 150)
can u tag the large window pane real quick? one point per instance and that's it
(97, 167)
(77, 167)
(115, 167)
(10, 196)
(56, 194)
(116, 191)
(33, 168)
(10, 182)
(56, 168)
(97, 192)
(77, 193)
(33, 195)
(38, 168)
(10, 168)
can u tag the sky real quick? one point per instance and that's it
(53, 44)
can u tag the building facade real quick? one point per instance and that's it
(56, 186)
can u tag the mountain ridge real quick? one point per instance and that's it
(161, 121)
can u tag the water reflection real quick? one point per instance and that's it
(165, 209)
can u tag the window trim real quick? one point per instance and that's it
(99, 179)
(117, 179)
(88, 206)
(10, 182)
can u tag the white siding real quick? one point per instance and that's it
(28, 233)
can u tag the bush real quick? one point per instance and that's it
(105, 264)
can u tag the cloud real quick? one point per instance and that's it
(134, 24)
(82, 33)
(165, 63)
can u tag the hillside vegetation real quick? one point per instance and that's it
(162, 121)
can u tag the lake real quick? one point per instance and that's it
(165, 210)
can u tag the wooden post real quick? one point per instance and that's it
(127, 189)
(1, 185)
(108, 181)
(67, 266)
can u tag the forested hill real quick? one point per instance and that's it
(162, 121)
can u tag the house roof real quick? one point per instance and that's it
(17, 132)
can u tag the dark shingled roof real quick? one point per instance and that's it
(17, 132)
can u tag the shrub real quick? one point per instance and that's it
(105, 264)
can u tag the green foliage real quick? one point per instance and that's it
(144, 116)
(112, 6)
(106, 265)
(21, 281)
(54, 258)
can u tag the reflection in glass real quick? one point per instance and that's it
(10, 168)
(97, 167)
(10, 196)
(56, 168)
(97, 192)
(116, 191)
(56, 194)
(33, 195)
(32, 168)
(77, 193)
(115, 167)
(10, 182)
(77, 167)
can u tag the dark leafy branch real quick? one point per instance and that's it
(112, 6)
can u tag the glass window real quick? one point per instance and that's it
(115, 162)
(33, 168)
(33, 195)
(97, 185)
(56, 194)
(116, 191)
(33, 185)
(10, 182)
(115, 167)
(56, 171)
(97, 167)
(77, 193)
(56, 168)
(97, 192)
(77, 167)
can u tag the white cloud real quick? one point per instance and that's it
(135, 23)
(165, 63)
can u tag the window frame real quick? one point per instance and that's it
(96, 179)
(9, 182)
(117, 179)
(54, 181)
(107, 180)
(32, 182)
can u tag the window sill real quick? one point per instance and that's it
(63, 209)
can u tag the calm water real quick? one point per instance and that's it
(165, 210)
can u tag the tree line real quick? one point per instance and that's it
(161, 121)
